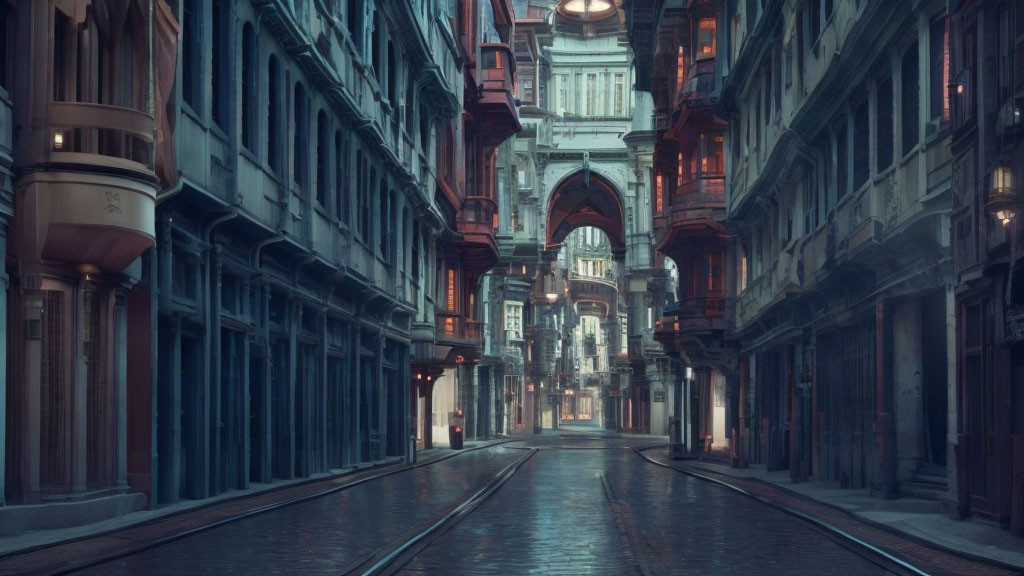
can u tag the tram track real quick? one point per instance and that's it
(860, 546)
(392, 557)
(22, 561)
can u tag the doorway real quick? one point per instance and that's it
(934, 374)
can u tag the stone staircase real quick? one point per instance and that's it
(928, 482)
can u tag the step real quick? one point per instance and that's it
(929, 479)
(931, 468)
(922, 491)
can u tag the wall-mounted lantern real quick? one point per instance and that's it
(1002, 198)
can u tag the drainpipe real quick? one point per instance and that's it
(211, 386)
(255, 258)
(168, 193)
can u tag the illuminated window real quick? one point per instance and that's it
(659, 202)
(743, 273)
(679, 169)
(450, 291)
(706, 38)
(493, 59)
(680, 71)
(587, 6)
(939, 73)
(713, 159)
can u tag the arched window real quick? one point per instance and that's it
(321, 158)
(446, 154)
(354, 18)
(415, 251)
(249, 92)
(191, 53)
(410, 99)
(375, 46)
(219, 68)
(340, 160)
(406, 230)
(364, 206)
(274, 115)
(424, 131)
(393, 226)
(392, 76)
(300, 159)
(384, 219)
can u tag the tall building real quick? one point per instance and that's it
(986, 97)
(244, 237)
(449, 342)
(677, 63)
(835, 352)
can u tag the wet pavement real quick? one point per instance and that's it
(323, 535)
(555, 517)
(583, 504)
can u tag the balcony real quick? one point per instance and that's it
(593, 289)
(498, 107)
(697, 314)
(102, 136)
(94, 202)
(456, 329)
(700, 193)
(695, 209)
(477, 221)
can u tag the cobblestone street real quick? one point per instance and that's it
(554, 517)
(580, 503)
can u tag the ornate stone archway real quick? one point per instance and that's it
(586, 198)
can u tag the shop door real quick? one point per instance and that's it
(980, 409)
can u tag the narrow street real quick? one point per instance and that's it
(584, 503)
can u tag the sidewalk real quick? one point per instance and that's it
(47, 550)
(920, 531)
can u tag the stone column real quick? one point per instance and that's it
(121, 384)
(907, 386)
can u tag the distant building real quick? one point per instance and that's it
(582, 163)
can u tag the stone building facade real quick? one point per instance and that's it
(233, 225)
(986, 94)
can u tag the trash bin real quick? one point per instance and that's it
(456, 431)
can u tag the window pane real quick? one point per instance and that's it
(911, 99)
(860, 146)
(884, 129)
(619, 95)
(706, 38)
